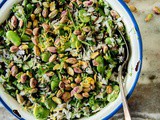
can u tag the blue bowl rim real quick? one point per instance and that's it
(138, 73)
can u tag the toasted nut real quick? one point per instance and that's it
(53, 14)
(33, 90)
(71, 60)
(149, 17)
(105, 48)
(90, 80)
(66, 81)
(95, 63)
(64, 19)
(77, 32)
(86, 85)
(52, 49)
(29, 31)
(33, 17)
(70, 71)
(64, 13)
(36, 50)
(14, 49)
(37, 10)
(73, 85)
(29, 74)
(35, 23)
(57, 42)
(57, 67)
(94, 55)
(86, 89)
(52, 58)
(21, 23)
(45, 12)
(84, 64)
(46, 27)
(127, 1)
(35, 40)
(156, 10)
(78, 96)
(81, 37)
(57, 100)
(75, 65)
(52, 6)
(86, 29)
(20, 99)
(29, 24)
(79, 2)
(93, 87)
(61, 55)
(85, 94)
(23, 78)
(114, 14)
(23, 47)
(61, 85)
(133, 8)
(66, 96)
(33, 83)
(14, 70)
(14, 21)
(87, 3)
(77, 70)
(67, 87)
(77, 89)
(50, 74)
(36, 31)
(45, 4)
(11, 64)
(109, 89)
(59, 93)
(78, 80)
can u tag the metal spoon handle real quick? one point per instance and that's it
(124, 101)
(125, 105)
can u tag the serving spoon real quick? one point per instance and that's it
(124, 101)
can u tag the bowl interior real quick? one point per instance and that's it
(134, 66)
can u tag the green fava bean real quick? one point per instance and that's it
(100, 60)
(26, 38)
(100, 68)
(13, 37)
(49, 103)
(82, 17)
(45, 56)
(54, 85)
(41, 113)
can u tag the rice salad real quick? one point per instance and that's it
(59, 59)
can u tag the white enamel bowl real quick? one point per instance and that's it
(134, 67)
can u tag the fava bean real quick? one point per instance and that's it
(40, 112)
(82, 16)
(13, 37)
(45, 56)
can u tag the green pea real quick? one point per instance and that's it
(83, 18)
(25, 38)
(13, 37)
(49, 103)
(40, 112)
(45, 56)
(1, 32)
